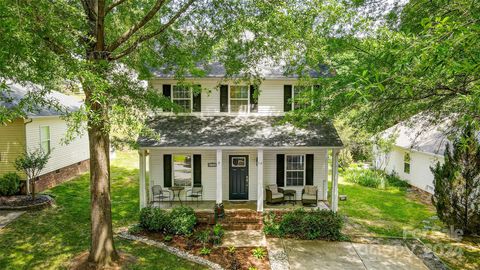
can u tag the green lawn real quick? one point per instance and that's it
(47, 239)
(391, 212)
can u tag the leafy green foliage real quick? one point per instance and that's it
(271, 224)
(314, 224)
(373, 178)
(457, 183)
(32, 162)
(205, 251)
(259, 253)
(181, 220)
(167, 238)
(203, 236)
(9, 184)
(217, 234)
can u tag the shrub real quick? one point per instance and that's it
(135, 229)
(315, 224)
(203, 237)
(217, 234)
(167, 238)
(271, 224)
(182, 220)
(373, 178)
(259, 253)
(154, 219)
(395, 181)
(9, 184)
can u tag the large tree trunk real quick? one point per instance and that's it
(102, 250)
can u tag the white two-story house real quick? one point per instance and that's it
(234, 142)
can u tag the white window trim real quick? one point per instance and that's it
(172, 99)
(248, 99)
(304, 170)
(49, 138)
(173, 168)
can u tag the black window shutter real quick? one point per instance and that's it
(167, 170)
(253, 101)
(309, 170)
(197, 170)
(197, 100)
(280, 170)
(224, 98)
(167, 90)
(287, 96)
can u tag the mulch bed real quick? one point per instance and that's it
(242, 258)
(25, 202)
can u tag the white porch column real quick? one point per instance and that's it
(334, 180)
(142, 171)
(260, 180)
(219, 176)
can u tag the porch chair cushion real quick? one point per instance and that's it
(277, 195)
(310, 191)
(309, 197)
(274, 190)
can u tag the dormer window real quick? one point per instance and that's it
(239, 98)
(182, 96)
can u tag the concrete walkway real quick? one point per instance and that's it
(8, 216)
(303, 254)
(246, 238)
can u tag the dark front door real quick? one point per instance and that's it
(238, 177)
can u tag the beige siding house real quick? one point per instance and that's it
(42, 128)
(234, 144)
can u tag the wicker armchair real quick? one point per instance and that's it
(274, 194)
(310, 195)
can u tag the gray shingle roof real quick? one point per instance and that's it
(18, 92)
(244, 131)
(268, 71)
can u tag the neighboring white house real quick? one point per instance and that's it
(42, 127)
(417, 147)
(234, 144)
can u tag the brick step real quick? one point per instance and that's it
(242, 227)
(241, 220)
(251, 215)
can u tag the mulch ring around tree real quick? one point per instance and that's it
(241, 258)
(25, 202)
(80, 262)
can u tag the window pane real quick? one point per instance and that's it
(238, 105)
(295, 178)
(45, 145)
(182, 170)
(239, 92)
(295, 162)
(181, 92)
(184, 103)
(45, 133)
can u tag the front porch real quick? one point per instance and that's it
(234, 159)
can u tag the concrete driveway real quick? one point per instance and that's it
(302, 254)
(8, 216)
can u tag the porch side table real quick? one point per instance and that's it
(291, 195)
(177, 189)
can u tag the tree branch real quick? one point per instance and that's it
(113, 5)
(146, 37)
(125, 36)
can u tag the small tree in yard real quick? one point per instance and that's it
(457, 183)
(32, 163)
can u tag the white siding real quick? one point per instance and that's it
(62, 155)
(209, 173)
(270, 100)
(420, 175)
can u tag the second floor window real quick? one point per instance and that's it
(182, 96)
(45, 142)
(239, 98)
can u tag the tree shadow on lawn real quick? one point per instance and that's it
(47, 239)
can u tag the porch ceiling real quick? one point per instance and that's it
(238, 131)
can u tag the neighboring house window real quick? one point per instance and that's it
(295, 170)
(239, 98)
(297, 93)
(45, 142)
(182, 96)
(406, 163)
(182, 170)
